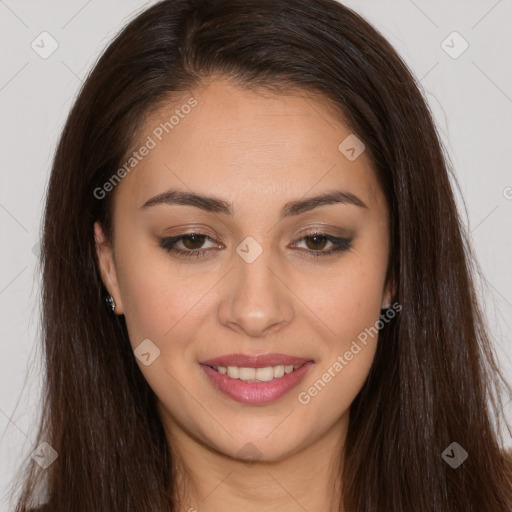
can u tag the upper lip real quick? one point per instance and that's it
(255, 360)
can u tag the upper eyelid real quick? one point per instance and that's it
(307, 232)
(298, 238)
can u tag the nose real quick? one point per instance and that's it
(256, 299)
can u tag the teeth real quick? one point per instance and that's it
(246, 373)
(265, 374)
(233, 372)
(278, 371)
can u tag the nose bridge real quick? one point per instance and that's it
(256, 300)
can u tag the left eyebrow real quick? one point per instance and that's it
(216, 205)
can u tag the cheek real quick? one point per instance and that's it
(348, 299)
(162, 297)
(350, 319)
(151, 293)
(348, 302)
(163, 301)
(327, 397)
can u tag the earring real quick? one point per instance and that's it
(111, 304)
(386, 311)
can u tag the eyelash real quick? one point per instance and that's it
(340, 245)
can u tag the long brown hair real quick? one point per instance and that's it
(434, 380)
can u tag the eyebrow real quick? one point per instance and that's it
(216, 205)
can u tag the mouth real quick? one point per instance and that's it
(263, 374)
(254, 380)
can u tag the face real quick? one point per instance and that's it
(220, 259)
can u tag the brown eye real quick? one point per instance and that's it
(193, 241)
(316, 244)
(317, 241)
(191, 244)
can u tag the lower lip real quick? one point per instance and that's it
(256, 392)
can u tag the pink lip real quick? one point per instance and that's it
(256, 392)
(255, 361)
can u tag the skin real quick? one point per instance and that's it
(257, 151)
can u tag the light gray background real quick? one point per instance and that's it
(470, 96)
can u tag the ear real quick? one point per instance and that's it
(105, 255)
(389, 293)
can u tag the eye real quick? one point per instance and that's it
(192, 244)
(316, 242)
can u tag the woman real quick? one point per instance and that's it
(259, 194)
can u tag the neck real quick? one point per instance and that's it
(210, 481)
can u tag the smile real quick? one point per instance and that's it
(255, 386)
(265, 374)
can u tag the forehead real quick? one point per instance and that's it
(241, 145)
